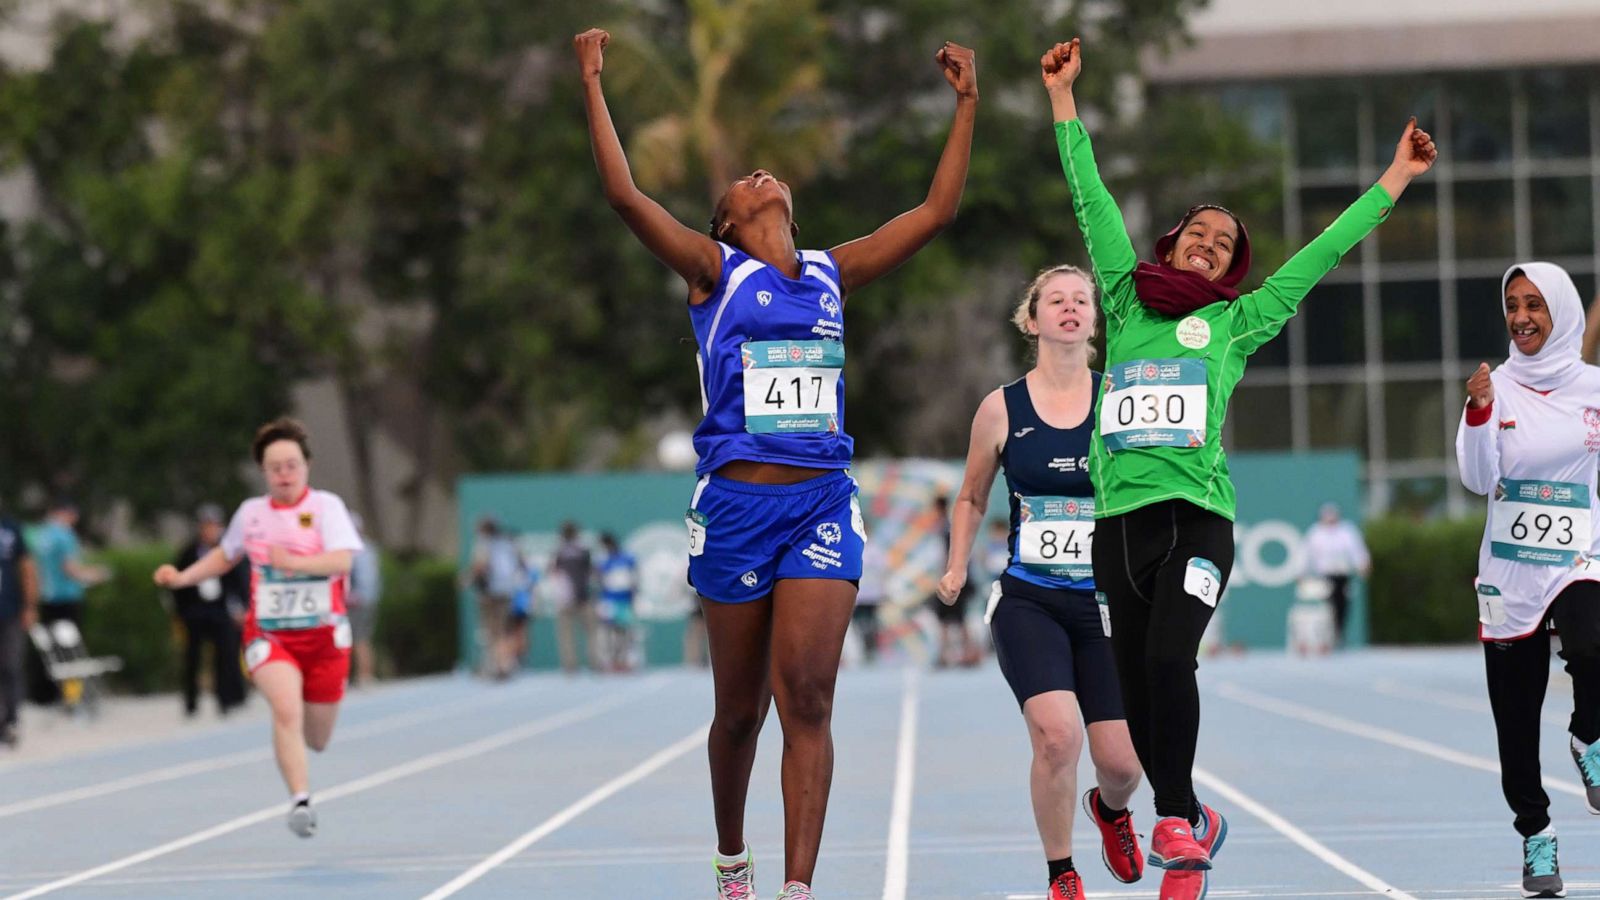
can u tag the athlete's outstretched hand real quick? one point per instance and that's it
(960, 67)
(1061, 65)
(1480, 390)
(167, 576)
(590, 47)
(950, 587)
(1416, 151)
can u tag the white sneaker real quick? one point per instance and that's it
(795, 890)
(303, 819)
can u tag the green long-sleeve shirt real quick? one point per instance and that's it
(1168, 380)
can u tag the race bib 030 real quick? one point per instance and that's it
(1154, 403)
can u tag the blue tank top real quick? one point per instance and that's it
(772, 365)
(1051, 496)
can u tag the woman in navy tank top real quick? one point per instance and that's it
(1051, 634)
(775, 533)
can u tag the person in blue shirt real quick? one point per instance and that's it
(64, 574)
(775, 532)
(19, 609)
(619, 581)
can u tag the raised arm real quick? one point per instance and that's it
(693, 255)
(864, 259)
(1477, 440)
(983, 461)
(1264, 311)
(1099, 219)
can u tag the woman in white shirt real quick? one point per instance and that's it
(1528, 440)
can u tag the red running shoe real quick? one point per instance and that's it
(1172, 846)
(1119, 846)
(1066, 886)
(1216, 831)
(1180, 884)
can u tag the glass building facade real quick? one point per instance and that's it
(1379, 354)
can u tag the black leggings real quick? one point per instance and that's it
(1154, 564)
(1519, 673)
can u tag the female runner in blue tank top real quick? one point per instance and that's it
(1051, 636)
(775, 536)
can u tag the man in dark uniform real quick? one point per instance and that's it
(19, 609)
(210, 612)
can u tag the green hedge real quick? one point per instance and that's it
(415, 631)
(125, 617)
(417, 619)
(1421, 586)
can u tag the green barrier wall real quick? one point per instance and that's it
(1278, 499)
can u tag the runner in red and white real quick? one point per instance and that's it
(1529, 441)
(296, 636)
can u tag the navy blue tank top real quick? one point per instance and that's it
(1052, 498)
(772, 365)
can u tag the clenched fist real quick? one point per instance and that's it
(590, 47)
(1480, 390)
(960, 68)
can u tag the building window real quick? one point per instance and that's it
(1338, 416)
(1326, 130)
(1335, 326)
(1414, 419)
(1558, 114)
(1480, 119)
(1262, 421)
(1562, 212)
(1410, 321)
(1485, 220)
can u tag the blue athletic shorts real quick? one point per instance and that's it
(743, 537)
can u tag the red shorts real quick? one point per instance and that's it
(321, 654)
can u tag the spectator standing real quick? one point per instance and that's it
(573, 562)
(1336, 552)
(619, 583)
(361, 604)
(210, 612)
(19, 609)
(496, 576)
(869, 596)
(65, 574)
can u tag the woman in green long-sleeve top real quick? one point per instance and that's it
(1178, 333)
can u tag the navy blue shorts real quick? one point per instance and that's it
(1055, 640)
(744, 537)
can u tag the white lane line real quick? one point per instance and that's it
(693, 739)
(897, 864)
(1383, 735)
(377, 779)
(1451, 700)
(384, 725)
(1289, 830)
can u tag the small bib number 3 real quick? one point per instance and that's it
(1203, 581)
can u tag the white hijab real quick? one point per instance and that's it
(1560, 360)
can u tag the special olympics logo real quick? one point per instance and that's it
(1545, 493)
(796, 354)
(1072, 507)
(830, 305)
(830, 533)
(1591, 417)
(1150, 371)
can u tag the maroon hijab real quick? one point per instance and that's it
(1178, 292)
